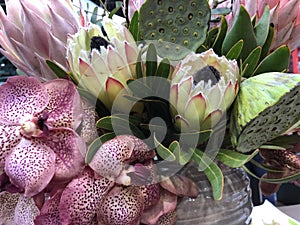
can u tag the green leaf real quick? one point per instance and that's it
(211, 37)
(164, 152)
(274, 180)
(277, 61)
(134, 26)
(164, 68)
(195, 137)
(251, 62)
(268, 42)
(182, 157)
(212, 171)
(59, 72)
(242, 29)
(260, 30)
(96, 144)
(217, 46)
(236, 50)
(119, 126)
(139, 66)
(151, 61)
(234, 159)
(115, 10)
(220, 11)
(272, 147)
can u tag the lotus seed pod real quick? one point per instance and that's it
(176, 27)
(266, 106)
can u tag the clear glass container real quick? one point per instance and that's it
(233, 209)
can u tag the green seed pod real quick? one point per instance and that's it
(181, 23)
(266, 106)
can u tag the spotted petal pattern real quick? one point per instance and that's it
(30, 166)
(81, 198)
(20, 98)
(64, 105)
(67, 146)
(9, 138)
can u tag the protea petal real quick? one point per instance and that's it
(9, 138)
(49, 214)
(21, 97)
(25, 211)
(69, 149)
(211, 120)
(32, 25)
(184, 90)
(64, 106)
(82, 197)
(195, 110)
(121, 206)
(58, 55)
(113, 88)
(30, 166)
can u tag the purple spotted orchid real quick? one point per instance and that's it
(37, 139)
(128, 195)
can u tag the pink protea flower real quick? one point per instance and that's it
(132, 6)
(285, 16)
(38, 141)
(34, 31)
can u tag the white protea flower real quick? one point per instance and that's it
(203, 87)
(33, 31)
(103, 63)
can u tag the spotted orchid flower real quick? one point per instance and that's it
(38, 141)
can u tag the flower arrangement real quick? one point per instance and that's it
(105, 113)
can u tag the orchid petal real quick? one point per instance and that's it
(30, 166)
(9, 138)
(82, 197)
(49, 214)
(121, 206)
(167, 204)
(69, 149)
(7, 207)
(20, 98)
(25, 211)
(64, 106)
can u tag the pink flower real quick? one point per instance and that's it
(33, 31)
(38, 141)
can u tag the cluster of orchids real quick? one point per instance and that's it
(81, 142)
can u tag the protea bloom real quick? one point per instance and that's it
(285, 16)
(100, 63)
(34, 31)
(37, 123)
(203, 86)
(131, 6)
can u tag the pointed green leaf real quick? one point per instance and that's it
(164, 152)
(251, 62)
(217, 46)
(274, 180)
(277, 61)
(220, 11)
(164, 68)
(119, 126)
(260, 30)
(59, 72)
(196, 137)
(236, 50)
(211, 37)
(242, 29)
(134, 26)
(268, 42)
(234, 159)
(151, 61)
(96, 144)
(139, 66)
(212, 171)
(182, 157)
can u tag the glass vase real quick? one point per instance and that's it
(234, 208)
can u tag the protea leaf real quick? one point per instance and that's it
(266, 106)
